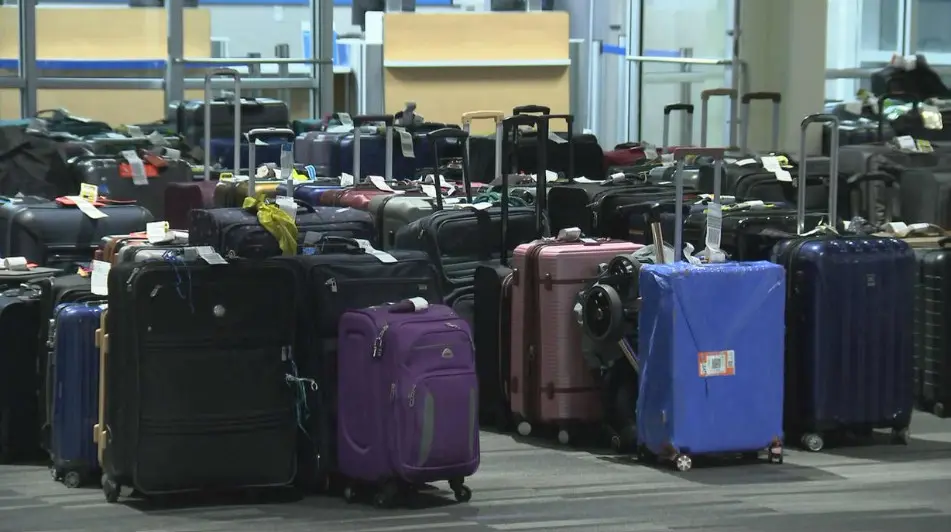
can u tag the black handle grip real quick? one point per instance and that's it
(570, 119)
(872, 177)
(653, 214)
(340, 243)
(688, 107)
(525, 109)
(359, 120)
(448, 133)
(774, 97)
(521, 120)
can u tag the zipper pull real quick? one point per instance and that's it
(412, 396)
(332, 283)
(378, 342)
(452, 326)
(392, 391)
(128, 283)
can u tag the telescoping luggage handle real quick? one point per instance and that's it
(498, 117)
(745, 102)
(705, 112)
(685, 107)
(209, 76)
(269, 132)
(544, 113)
(447, 133)
(680, 156)
(512, 124)
(833, 171)
(388, 121)
(870, 178)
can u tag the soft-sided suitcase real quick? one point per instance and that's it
(568, 153)
(231, 192)
(51, 233)
(268, 151)
(309, 192)
(74, 363)
(139, 177)
(932, 312)
(696, 324)
(409, 411)
(199, 373)
(192, 117)
(849, 331)
(19, 412)
(550, 383)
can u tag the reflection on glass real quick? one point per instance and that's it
(9, 104)
(933, 20)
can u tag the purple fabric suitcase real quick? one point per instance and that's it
(408, 407)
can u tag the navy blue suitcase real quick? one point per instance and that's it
(373, 151)
(849, 330)
(74, 363)
(222, 152)
(74, 360)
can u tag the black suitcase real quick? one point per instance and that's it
(19, 408)
(48, 233)
(932, 327)
(201, 392)
(256, 113)
(117, 180)
(342, 276)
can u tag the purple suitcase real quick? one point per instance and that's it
(408, 407)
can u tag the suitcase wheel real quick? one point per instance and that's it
(683, 463)
(901, 436)
(524, 428)
(387, 496)
(110, 489)
(938, 409)
(564, 437)
(462, 492)
(349, 494)
(812, 442)
(73, 479)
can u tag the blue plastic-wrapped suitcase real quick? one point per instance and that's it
(711, 354)
(74, 363)
(850, 330)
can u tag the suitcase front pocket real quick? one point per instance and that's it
(437, 425)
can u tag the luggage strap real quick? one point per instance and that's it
(275, 221)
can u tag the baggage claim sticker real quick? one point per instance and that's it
(716, 363)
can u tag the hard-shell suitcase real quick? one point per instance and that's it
(695, 325)
(49, 233)
(324, 152)
(849, 331)
(410, 411)
(231, 192)
(550, 383)
(19, 412)
(373, 153)
(182, 198)
(268, 151)
(932, 311)
(194, 117)
(74, 364)
(205, 377)
(142, 178)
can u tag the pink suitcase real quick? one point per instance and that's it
(551, 384)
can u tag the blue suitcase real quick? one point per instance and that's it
(309, 192)
(850, 330)
(75, 409)
(222, 152)
(373, 151)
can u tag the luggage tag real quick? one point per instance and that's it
(85, 204)
(312, 172)
(15, 264)
(345, 119)
(139, 177)
(380, 183)
(135, 132)
(585, 180)
(714, 231)
(555, 138)
(158, 232)
(406, 142)
(210, 256)
(772, 164)
(745, 162)
(346, 180)
(906, 143)
(382, 256)
(156, 138)
(288, 205)
(99, 279)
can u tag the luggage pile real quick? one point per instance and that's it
(347, 315)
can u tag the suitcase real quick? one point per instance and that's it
(19, 411)
(309, 192)
(113, 144)
(342, 276)
(409, 374)
(688, 352)
(373, 153)
(138, 177)
(74, 366)
(324, 152)
(231, 384)
(849, 341)
(550, 383)
(569, 153)
(48, 233)
(932, 360)
(193, 117)
(61, 121)
(231, 192)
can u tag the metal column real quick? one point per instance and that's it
(322, 40)
(632, 39)
(27, 68)
(736, 70)
(174, 68)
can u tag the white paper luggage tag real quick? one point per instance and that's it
(745, 162)
(135, 132)
(380, 183)
(99, 279)
(346, 180)
(87, 208)
(158, 232)
(15, 264)
(345, 119)
(771, 164)
(714, 226)
(419, 303)
(156, 138)
(406, 142)
(137, 167)
(552, 136)
(288, 205)
(429, 190)
(172, 154)
(906, 143)
(382, 256)
(209, 255)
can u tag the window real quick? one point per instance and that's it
(861, 34)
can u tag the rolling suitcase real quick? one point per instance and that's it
(182, 198)
(849, 336)
(932, 298)
(693, 399)
(132, 176)
(74, 366)
(231, 193)
(212, 374)
(19, 412)
(409, 414)
(309, 192)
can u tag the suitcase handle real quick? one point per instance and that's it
(447, 133)
(347, 245)
(467, 118)
(359, 120)
(888, 180)
(408, 306)
(388, 122)
(531, 109)
(209, 76)
(705, 111)
(680, 155)
(498, 117)
(668, 109)
(833, 170)
(745, 100)
(267, 132)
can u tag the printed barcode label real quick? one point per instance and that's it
(717, 363)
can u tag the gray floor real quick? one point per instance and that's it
(521, 487)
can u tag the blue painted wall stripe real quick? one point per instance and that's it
(246, 2)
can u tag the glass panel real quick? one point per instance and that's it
(933, 18)
(115, 107)
(670, 29)
(9, 51)
(9, 104)
(860, 34)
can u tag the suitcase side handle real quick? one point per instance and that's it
(803, 175)
(680, 156)
(209, 77)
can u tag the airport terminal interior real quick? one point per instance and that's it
(241, 291)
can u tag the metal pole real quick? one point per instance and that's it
(633, 71)
(624, 94)
(594, 89)
(27, 70)
(254, 72)
(594, 55)
(685, 97)
(175, 69)
(736, 70)
(322, 39)
(283, 71)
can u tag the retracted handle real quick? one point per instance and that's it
(833, 170)
(705, 111)
(680, 156)
(388, 122)
(497, 117)
(657, 233)
(869, 179)
(531, 109)
(881, 108)
(447, 133)
(209, 76)
(267, 133)
(745, 102)
(685, 107)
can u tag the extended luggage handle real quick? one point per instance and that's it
(512, 124)
(833, 170)
(916, 105)
(209, 76)
(531, 109)
(388, 121)
(498, 117)
(705, 112)
(745, 102)
(267, 132)
(448, 133)
(680, 156)
(886, 179)
(668, 109)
